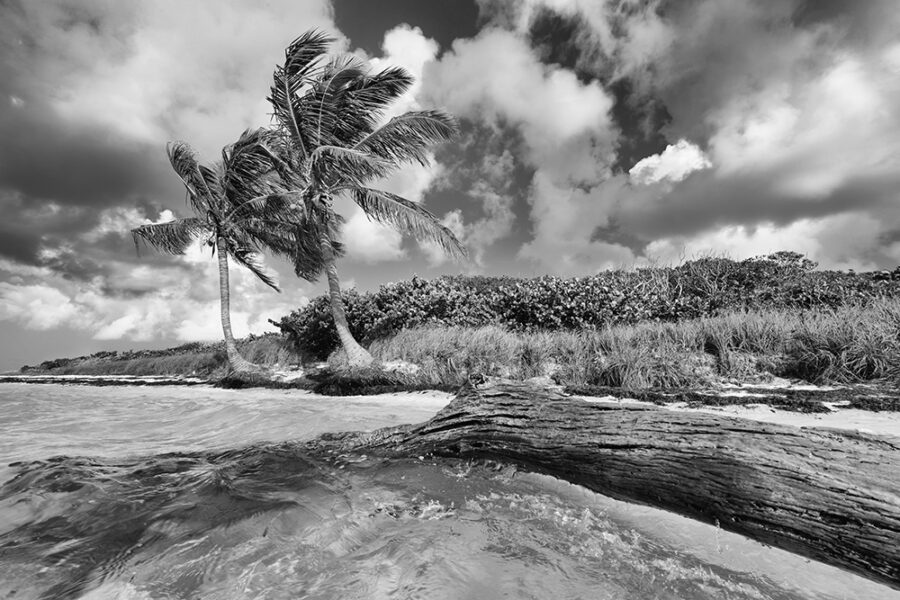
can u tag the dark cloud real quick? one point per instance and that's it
(560, 40)
(70, 240)
(862, 22)
(641, 122)
(18, 245)
(486, 183)
(365, 21)
(615, 233)
(704, 201)
(48, 158)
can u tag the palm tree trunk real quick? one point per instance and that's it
(357, 356)
(236, 362)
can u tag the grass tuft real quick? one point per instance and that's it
(849, 344)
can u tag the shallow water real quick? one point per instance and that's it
(194, 492)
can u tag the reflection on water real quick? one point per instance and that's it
(263, 520)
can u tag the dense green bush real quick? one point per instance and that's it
(698, 288)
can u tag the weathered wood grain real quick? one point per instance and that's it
(826, 494)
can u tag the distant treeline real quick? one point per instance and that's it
(201, 359)
(699, 288)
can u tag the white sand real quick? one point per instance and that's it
(879, 423)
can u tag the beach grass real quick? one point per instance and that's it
(848, 344)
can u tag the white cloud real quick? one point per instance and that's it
(568, 136)
(549, 105)
(407, 47)
(371, 242)
(36, 306)
(493, 178)
(566, 220)
(120, 220)
(799, 119)
(197, 71)
(453, 221)
(180, 301)
(366, 240)
(673, 164)
(811, 137)
(823, 240)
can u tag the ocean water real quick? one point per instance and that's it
(195, 492)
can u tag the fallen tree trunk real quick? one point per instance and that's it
(826, 494)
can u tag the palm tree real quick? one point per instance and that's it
(332, 114)
(239, 207)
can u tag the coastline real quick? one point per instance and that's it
(737, 401)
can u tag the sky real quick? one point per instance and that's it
(596, 134)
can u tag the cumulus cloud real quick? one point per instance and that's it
(566, 220)
(565, 126)
(489, 185)
(198, 71)
(36, 306)
(172, 313)
(824, 240)
(174, 297)
(371, 242)
(794, 103)
(673, 164)
(563, 121)
(368, 241)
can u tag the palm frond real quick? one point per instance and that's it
(301, 67)
(316, 243)
(330, 165)
(355, 109)
(184, 162)
(249, 167)
(301, 55)
(406, 138)
(316, 113)
(252, 260)
(285, 159)
(274, 208)
(173, 237)
(213, 176)
(375, 92)
(325, 96)
(408, 218)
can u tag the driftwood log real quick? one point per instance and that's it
(826, 494)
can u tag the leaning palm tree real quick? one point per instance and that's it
(239, 207)
(331, 112)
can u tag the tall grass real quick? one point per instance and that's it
(846, 344)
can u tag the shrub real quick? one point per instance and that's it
(704, 287)
(848, 344)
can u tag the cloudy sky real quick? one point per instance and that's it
(596, 134)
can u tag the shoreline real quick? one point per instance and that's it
(750, 401)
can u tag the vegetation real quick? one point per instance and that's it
(331, 113)
(843, 328)
(849, 344)
(226, 198)
(701, 288)
(196, 359)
